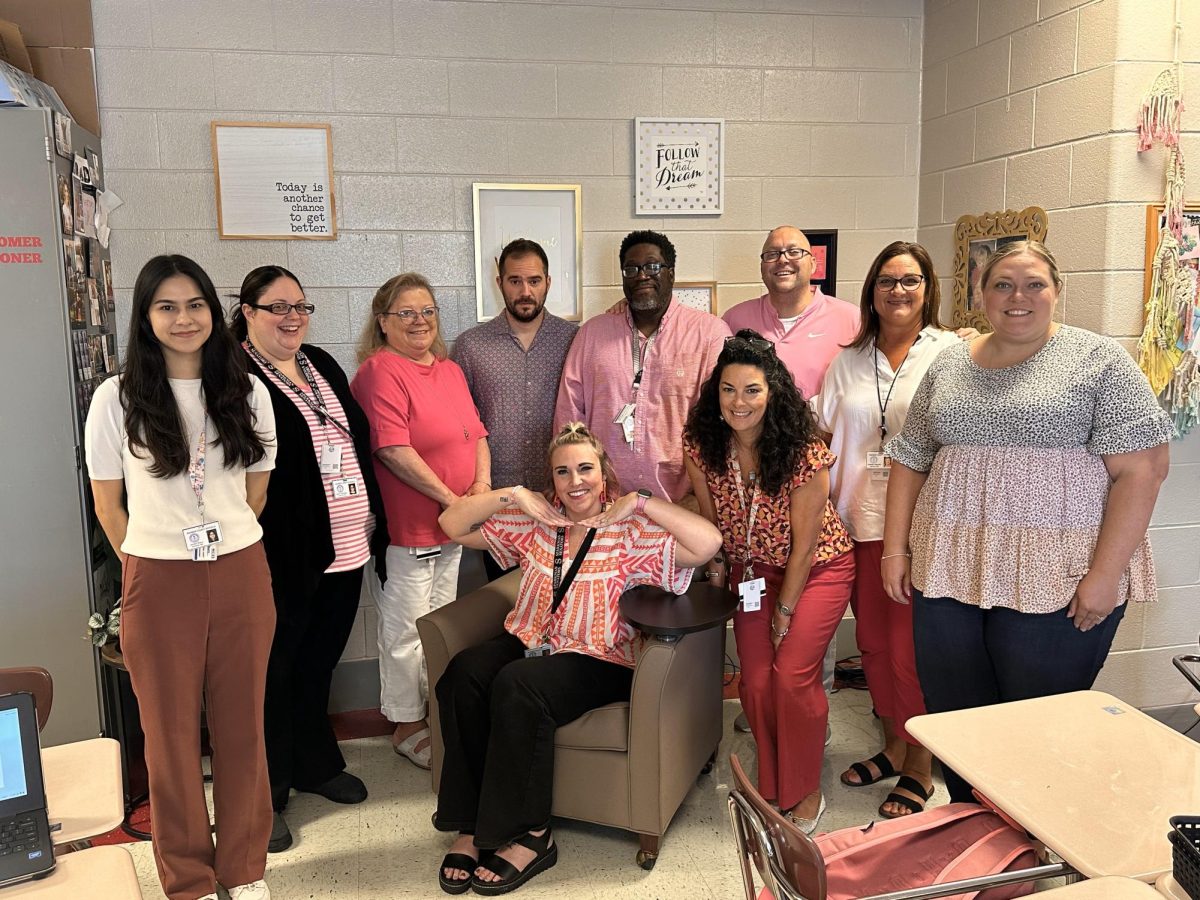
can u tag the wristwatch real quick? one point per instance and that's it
(643, 496)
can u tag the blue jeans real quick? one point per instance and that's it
(969, 657)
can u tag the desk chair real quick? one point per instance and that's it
(34, 680)
(627, 765)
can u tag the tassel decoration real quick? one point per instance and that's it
(1162, 108)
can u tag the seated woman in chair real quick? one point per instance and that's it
(565, 649)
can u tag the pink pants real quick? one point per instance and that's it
(781, 691)
(884, 630)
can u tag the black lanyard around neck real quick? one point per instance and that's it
(560, 589)
(319, 407)
(884, 401)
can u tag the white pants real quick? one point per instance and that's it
(414, 587)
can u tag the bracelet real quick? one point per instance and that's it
(712, 574)
(484, 483)
(779, 634)
(890, 555)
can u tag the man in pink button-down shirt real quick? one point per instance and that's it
(809, 328)
(641, 426)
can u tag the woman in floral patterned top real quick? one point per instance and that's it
(762, 475)
(554, 661)
(1024, 478)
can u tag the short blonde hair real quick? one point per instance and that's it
(372, 334)
(578, 433)
(1033, 248)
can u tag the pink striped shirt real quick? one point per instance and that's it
(350, 518)
(632, 552)
(597, 381)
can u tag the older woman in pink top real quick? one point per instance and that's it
(430, 449)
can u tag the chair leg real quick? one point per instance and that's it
(708, 766)
(648, 854)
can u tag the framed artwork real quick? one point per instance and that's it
(975, 238)
(547, 213)
(824, 250)
(274, 181)
(680, 167)
(1189, 246)
(701, 295)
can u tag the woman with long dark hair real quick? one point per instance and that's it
(322, 523)
(761, 473)
(179, 451)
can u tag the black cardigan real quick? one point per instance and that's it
(295, 521)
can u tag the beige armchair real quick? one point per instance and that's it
(628, 765)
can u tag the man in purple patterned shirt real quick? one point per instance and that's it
(513, 364)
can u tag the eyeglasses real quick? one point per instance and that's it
(908, 282)
(789, 252)
(407, 315)
(651, 268)
(760, 344)
(279, 308)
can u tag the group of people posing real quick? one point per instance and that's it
(980, 501)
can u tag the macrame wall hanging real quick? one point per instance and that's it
(1167, 351)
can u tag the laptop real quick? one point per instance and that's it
(25, 848)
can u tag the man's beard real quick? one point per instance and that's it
(514, 311)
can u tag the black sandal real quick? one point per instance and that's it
(880, 761)
(511, 877)
(457, 861)
(906, 783)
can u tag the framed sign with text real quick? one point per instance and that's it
(680, 167)
(274, 181)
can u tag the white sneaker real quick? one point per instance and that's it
(255, 890)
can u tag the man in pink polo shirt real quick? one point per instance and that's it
(631, 377)
(808, 327)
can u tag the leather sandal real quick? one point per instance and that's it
(511, 877)
(910, 784)
(457, 861)
(880, 761)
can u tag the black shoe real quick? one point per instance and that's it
(341, 788)
(281, 835)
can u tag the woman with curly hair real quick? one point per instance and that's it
(761, 474)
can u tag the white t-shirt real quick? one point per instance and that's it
(848, 408)
(161, 508)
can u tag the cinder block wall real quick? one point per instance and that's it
(426, 96)
(1034, 103)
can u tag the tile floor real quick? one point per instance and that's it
(386, 848)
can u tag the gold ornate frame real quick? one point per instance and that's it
(987, 232)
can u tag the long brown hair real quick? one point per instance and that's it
(868, 330)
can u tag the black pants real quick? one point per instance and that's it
(499, 712)
(969, 657)
(310, 635)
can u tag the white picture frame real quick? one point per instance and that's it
(679, 166)
(550, 214)
(274, 181)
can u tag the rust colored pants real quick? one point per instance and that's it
(781, 690)
(192, 629)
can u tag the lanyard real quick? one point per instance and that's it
(747, 565)
(639, 358)
(884, 401)
(196, 468)
(561, 584)
(323, 414)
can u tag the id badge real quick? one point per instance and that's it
(206, 535)
(425, 552)
(331, 459)
(879, 466)
(207, 553)
(625, 414)
(542, 649)
(344, 487)
(751, 593)
(627, 429)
